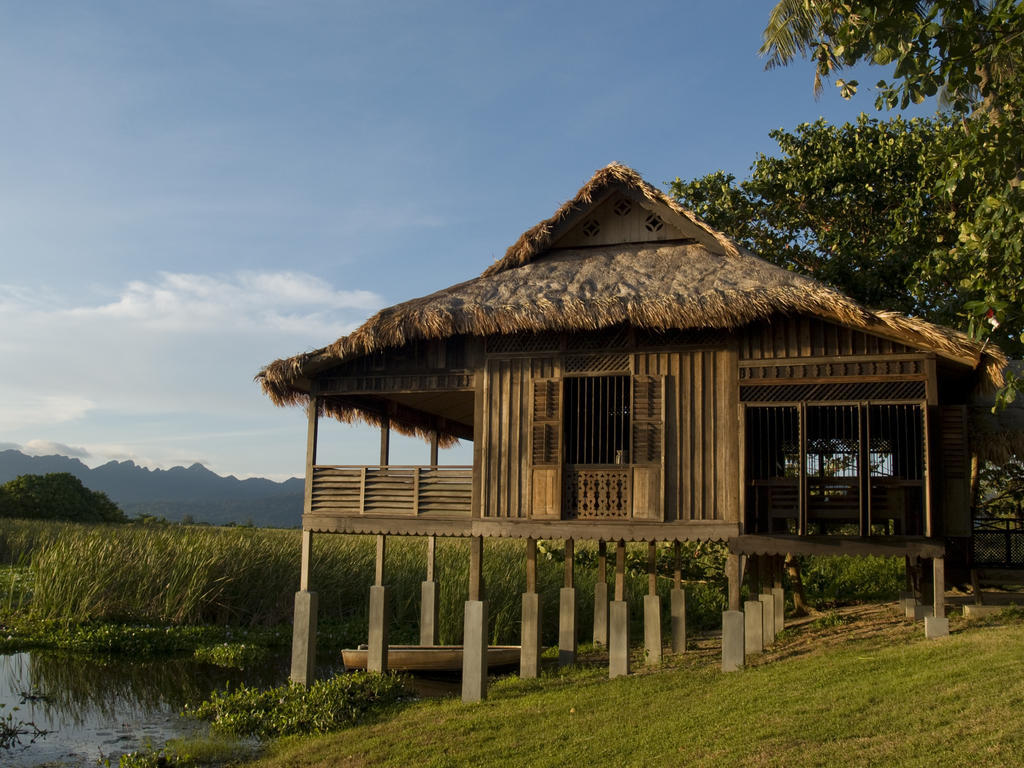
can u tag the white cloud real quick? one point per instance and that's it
(49, 448)
(19, 409)
(281, 301)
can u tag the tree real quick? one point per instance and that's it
(971, 53)
(56, 496)
(848, 205)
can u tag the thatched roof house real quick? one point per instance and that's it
(627, 373)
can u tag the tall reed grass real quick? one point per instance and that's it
(193, 575)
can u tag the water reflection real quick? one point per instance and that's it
(96, 708)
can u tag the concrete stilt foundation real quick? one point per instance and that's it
(380, 618)
(474, 651)
(304, 638)
(678, 597)
(753, 627)
(428, 613)
(768, 617)
(618, 638)
(937, 625)
(780, 609)
(733, 640)
(921, 612)
(601, 613)
(652, 628)
(567, 626)
(529, 654)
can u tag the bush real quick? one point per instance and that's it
(56, 496)
(325, 706)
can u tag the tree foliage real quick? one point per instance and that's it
(848, 205)
(56, 496)
(971, 54)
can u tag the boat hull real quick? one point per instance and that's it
(431, 658)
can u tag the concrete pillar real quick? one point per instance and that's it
(601, 596)
(753, 627)
(652, 628)
(530, 648)
(937, 625)
(618, 638)
(678, 620)
(567, 610)
(566, 626)
(618, 619)
(733, 640)
(429, 602)
(768, 617)
(304, 638)
(474, 651)
(529, 654)
(380, 619)
(428, 613)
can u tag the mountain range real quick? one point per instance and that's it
(174, 493)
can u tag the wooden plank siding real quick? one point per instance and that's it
(789, 337)
(701, 432)
(502, 431)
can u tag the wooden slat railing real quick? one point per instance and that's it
(392, 490)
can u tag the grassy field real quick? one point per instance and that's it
(866, 691)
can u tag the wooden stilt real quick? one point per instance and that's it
(529, 652)
(567, 609)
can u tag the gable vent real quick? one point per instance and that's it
(653, 223)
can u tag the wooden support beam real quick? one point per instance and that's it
(602, 560)
(385, 441)
(677, 573)
(431, 556)
(531, 566)
(312, 418)
(732, 573)
(620, 570)
(476, 566)
(378, 573)
(307, 559)
(570, 562)
(652, 568)
(433, 448)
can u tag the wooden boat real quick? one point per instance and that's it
(431, 658)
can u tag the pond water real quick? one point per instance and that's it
(95, 708)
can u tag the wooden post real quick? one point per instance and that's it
(312, 419)
(428, 598)
(530, 648)
(732, 573)
(476, 568)
(474, 628)
(385, 441)
(678, 605)
(304, 620)
(567, 609)
(618, 618)
(433, 448)
(380, 617)
(601, 596)
(652, 608)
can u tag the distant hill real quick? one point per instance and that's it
(176, 492)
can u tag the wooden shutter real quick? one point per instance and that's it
(546, 448)
(648, 449)
(955, 482)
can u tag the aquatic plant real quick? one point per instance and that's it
(325, 706)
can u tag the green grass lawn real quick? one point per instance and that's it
(871, 691)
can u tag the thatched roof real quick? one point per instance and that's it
(998, 436)
(702, 281)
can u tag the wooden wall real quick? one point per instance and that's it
(702, 472)
(788, 337)
(502, 435)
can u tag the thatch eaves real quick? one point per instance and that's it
(706, 281)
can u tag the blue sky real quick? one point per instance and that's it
(190, 190)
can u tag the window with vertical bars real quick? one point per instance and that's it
(597, 423)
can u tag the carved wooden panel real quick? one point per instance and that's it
(845, 368)
(598, 493)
